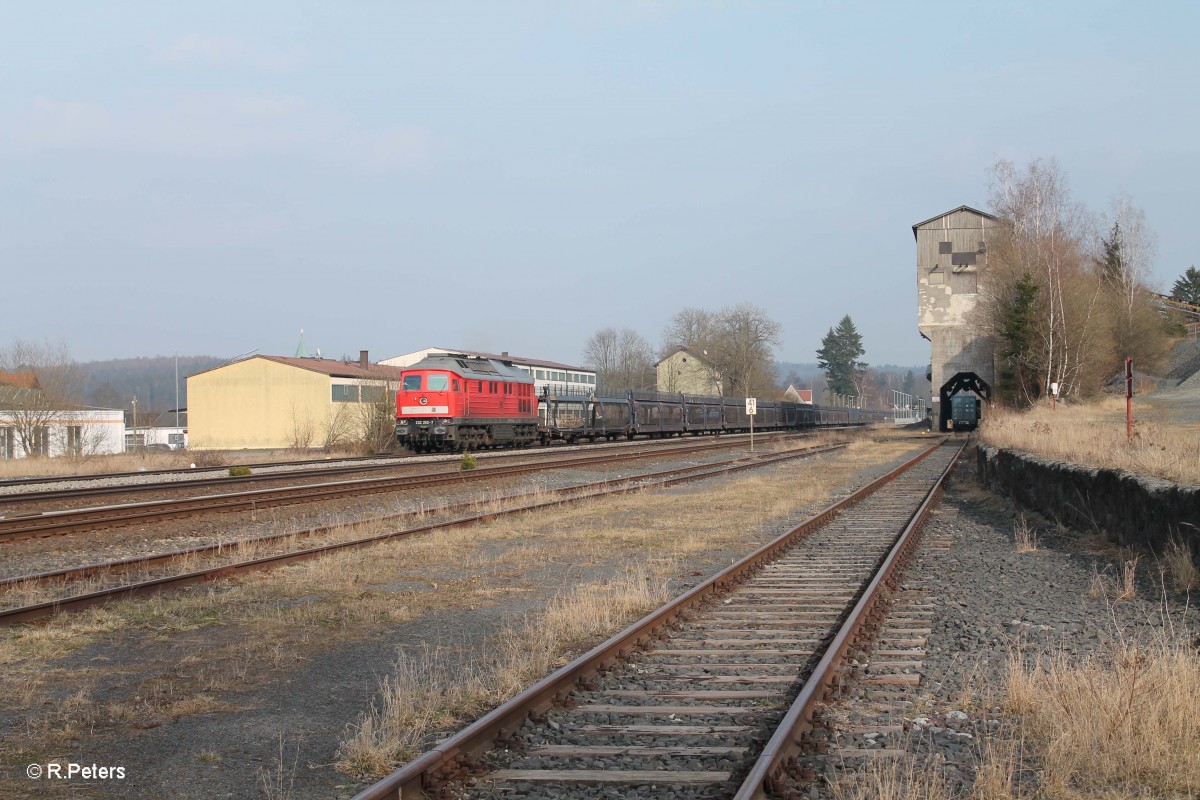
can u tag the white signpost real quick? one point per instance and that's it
(751, 410)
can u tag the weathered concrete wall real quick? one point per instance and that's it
(1130, 509)
(952, 266)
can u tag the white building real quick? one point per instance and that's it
(547, 375)
(170, 428)
(73, 432)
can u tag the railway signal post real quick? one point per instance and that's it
(751, 410)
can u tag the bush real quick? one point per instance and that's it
(238, 472)
(468, 461)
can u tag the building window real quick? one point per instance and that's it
(41, 441)
(345, 394)
(372, 394)
(964, 283)
(74, 440)
(540, 374)
(134, 441)
(6, 443)
(175, 440)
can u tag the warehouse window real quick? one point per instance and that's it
(347, 394)
(74, 440)
(541, 374)
(6, 443)
(372, 394)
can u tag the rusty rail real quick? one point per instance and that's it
(784, 745)
(53, 523)
(581, 492)
(450, 759)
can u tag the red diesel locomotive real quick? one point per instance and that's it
(456, 402)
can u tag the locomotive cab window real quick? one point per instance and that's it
(438, 383)
(412, 383)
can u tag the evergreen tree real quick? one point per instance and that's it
(1187, 288)
(839, 357)
(1018, 378)
(1112, 264)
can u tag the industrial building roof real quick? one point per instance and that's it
(331, 367)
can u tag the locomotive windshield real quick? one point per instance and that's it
(438, 383)
(412, 383)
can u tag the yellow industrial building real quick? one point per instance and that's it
(274, 402)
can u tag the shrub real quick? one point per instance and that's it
(238, 472)
(468, 461)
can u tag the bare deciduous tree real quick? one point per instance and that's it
(735, 345)
(622, 359)
(375, 417)
(44, 382)
(302, 429)
(1045, 234)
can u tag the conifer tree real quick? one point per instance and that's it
(1187, 288)
(839, 357)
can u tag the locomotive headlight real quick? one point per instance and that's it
(440, 429)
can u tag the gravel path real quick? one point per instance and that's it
(989, 602)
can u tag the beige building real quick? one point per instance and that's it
(684, 371)
(952, 251)
(272, 402)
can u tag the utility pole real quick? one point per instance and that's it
(135, 421)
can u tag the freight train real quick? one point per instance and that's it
(449, 402)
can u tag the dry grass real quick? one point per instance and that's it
(1122, 726)
(132, 462)
(1179, 566)
(1094, 435)
(1024, 535)
(437, 689)
(245, 631)
(892, 780)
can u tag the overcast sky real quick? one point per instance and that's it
(209, 178)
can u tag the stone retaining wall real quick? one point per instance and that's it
(1130, 509)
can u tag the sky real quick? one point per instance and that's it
(211, 178)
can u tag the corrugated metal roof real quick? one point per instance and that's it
(327, 366)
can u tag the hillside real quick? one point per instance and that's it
(115, 382)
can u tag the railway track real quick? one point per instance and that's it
(16, 526)
(570, 494)
(313, 469)
(711, 695)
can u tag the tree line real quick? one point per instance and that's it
(734, 347)
(1066, 298)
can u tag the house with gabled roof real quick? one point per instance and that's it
(685, 371)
